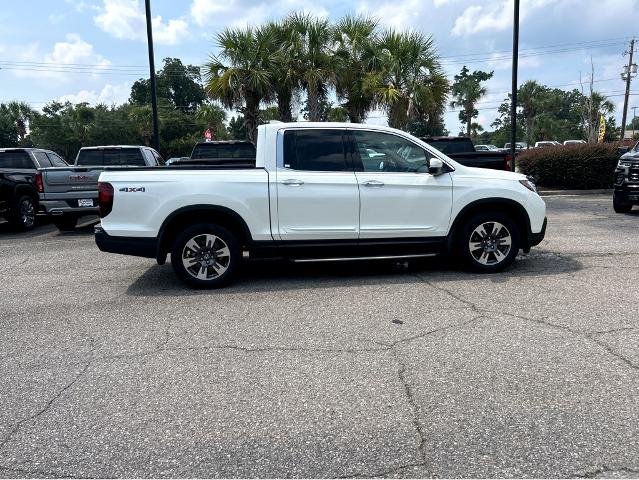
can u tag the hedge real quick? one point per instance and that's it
(571, 166)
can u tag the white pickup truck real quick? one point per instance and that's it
(319, 191)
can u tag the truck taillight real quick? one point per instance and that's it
(508, 165)
(105, 198)
(38, 182)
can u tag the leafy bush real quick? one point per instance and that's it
(573, 166)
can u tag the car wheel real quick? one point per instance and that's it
(206, 256)
(24, 215)
(65, 223)
(620, 207)
(489, 242)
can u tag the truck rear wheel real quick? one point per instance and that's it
(23, 215)
(206, 256)
(65, 223)
(488, 242)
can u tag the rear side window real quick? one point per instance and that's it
(315, 150)
(15, 159)
(223, 150)
(111, 157)
(42, 159)
(56, 160)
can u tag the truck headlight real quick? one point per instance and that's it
(529, 185)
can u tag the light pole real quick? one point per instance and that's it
(154, 93)
(513, 100)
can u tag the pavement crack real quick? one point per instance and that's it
(414, 407)
(604, 472)
(49, 402)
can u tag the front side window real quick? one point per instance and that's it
(385, 152)
(318, 150)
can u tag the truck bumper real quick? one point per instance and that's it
(136, 246)
(67, 207)
(627, 193)
(535, 239)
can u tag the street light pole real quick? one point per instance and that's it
(154, 93)
(513, 99)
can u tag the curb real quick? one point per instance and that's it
(562, 193)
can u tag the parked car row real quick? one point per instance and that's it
(39, 182)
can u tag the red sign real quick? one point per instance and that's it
(208, 134)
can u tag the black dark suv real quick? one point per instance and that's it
(627, 181)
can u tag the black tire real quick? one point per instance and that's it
(214, 256)
(619, 206)
(23, 213)
(65, 223)
(494, 254)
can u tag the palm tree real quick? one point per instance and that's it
(140, 117)
(241, 75)
(20, 113)
(311, 46)
(467, 91)
(286, 68)
(355, 39)
(408, 78)
(212, 116)
(531, 98)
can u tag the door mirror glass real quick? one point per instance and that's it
(435, 166)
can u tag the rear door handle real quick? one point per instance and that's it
(373, 183)
(293, 182)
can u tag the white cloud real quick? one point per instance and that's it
(495, 16)
(109, 95)
(240, 13)
(395, 14)
(58, 64)
(125, 19)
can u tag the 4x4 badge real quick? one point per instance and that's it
(132, 189)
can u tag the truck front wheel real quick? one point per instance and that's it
(206, 256)
(488, 242)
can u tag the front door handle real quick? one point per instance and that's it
(293, 182)
(373, 183)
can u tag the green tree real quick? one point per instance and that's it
(311, 43)
(212, 117)
(408, 79)
(179, 84)
(355, 39)
(241, 75)
(142, 121)
(8, 131)
(20, 113)
(237, 128)
(467, 90)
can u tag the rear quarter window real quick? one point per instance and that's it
(16, 159)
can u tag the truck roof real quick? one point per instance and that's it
(24, 149)
(103, 147)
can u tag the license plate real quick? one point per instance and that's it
(85, 202)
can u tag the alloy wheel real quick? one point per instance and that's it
(206, 257)
(490, 243)
(27, 213)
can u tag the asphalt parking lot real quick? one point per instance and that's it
(110, 367)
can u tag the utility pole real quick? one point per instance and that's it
(513, 100)
(630, 71)
(154, 93)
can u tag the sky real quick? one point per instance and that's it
(93, 50)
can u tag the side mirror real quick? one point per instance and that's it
(435, 166)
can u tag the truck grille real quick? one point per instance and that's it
(633, 175)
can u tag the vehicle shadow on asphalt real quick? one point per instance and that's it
(268, 276)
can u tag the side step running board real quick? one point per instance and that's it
(351, 259)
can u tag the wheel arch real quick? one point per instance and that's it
(185, 216)
(504, 205)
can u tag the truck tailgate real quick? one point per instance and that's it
(70, 179)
